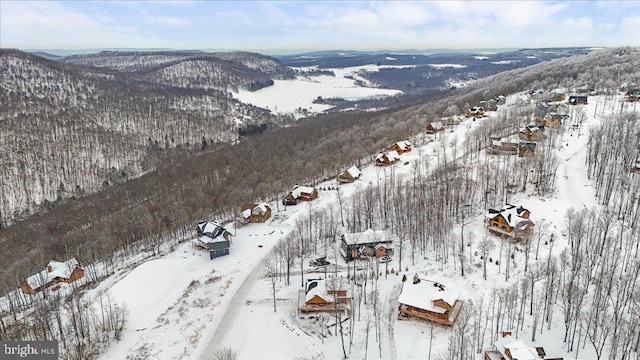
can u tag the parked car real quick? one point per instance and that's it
(321, 261)
(385, 259)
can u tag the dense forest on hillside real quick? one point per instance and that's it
(165, 203)
(72, 130)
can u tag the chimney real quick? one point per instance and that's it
(49, 268)
(416, 279)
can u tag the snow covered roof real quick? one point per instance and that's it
(517, 349)
(246, 214)
(319, 290)
(354, 171)
(58, 269)
(299, 190)
(260, 209)
(393, 155)
(512, 214)
(212, 229)
(368, 236)
(437, 125)
(403, 145)
(209, 240)
(424, 293)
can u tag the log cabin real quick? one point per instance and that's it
(352, 174)
(387, 158)
(401, 147)
(434, 127)
(510, 221)
(532, 132)
(508, 348)
(55, 272)
(429, 300)
(301, 193)
(474, 111)
(252, 213)
(319, 296)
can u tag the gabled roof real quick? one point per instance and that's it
(422, 295)
(512, 215)
(354, 171)
(320, 290)
(213, 229)
(518, 349)
(209, 240)
(403, 145)
(260, 209)
(369, 236)
(58, 269)
(437, 125)
(299, 190)
(390, 155)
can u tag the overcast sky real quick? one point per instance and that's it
(296, 26)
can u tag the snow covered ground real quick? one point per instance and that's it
(184, 306)
(287, 96)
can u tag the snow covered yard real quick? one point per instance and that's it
(185, 306)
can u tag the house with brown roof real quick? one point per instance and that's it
(434, 127)
(474, 111)
(511, 221)
(300, 193)
(56, 272)
(350, 175)
(387, 158)
(429, 300)
(321, 297)
(401, 147)
(255, 213)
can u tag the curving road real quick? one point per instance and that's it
(239, 299)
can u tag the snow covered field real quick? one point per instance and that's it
(185, 306)
(287, 96)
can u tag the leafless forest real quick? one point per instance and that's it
(592, 286)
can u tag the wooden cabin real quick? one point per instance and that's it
(434, 127)
(301, 193)
(401, 147)
(252, 213)
(510, 221)
(387, 158)
(508, 348)
(352, 174)
(381, 250)
(632, 95)
(428, 300)
(577, 100)
(553, 120)
(557, 97)
(55, 272)
(363, 244)
(319, 297)
(532, 132)
(503, 145)
(474, 111)
(526, 149)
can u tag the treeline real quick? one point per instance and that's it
(212, 184)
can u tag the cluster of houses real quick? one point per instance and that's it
(392, 156)
(53, 276)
